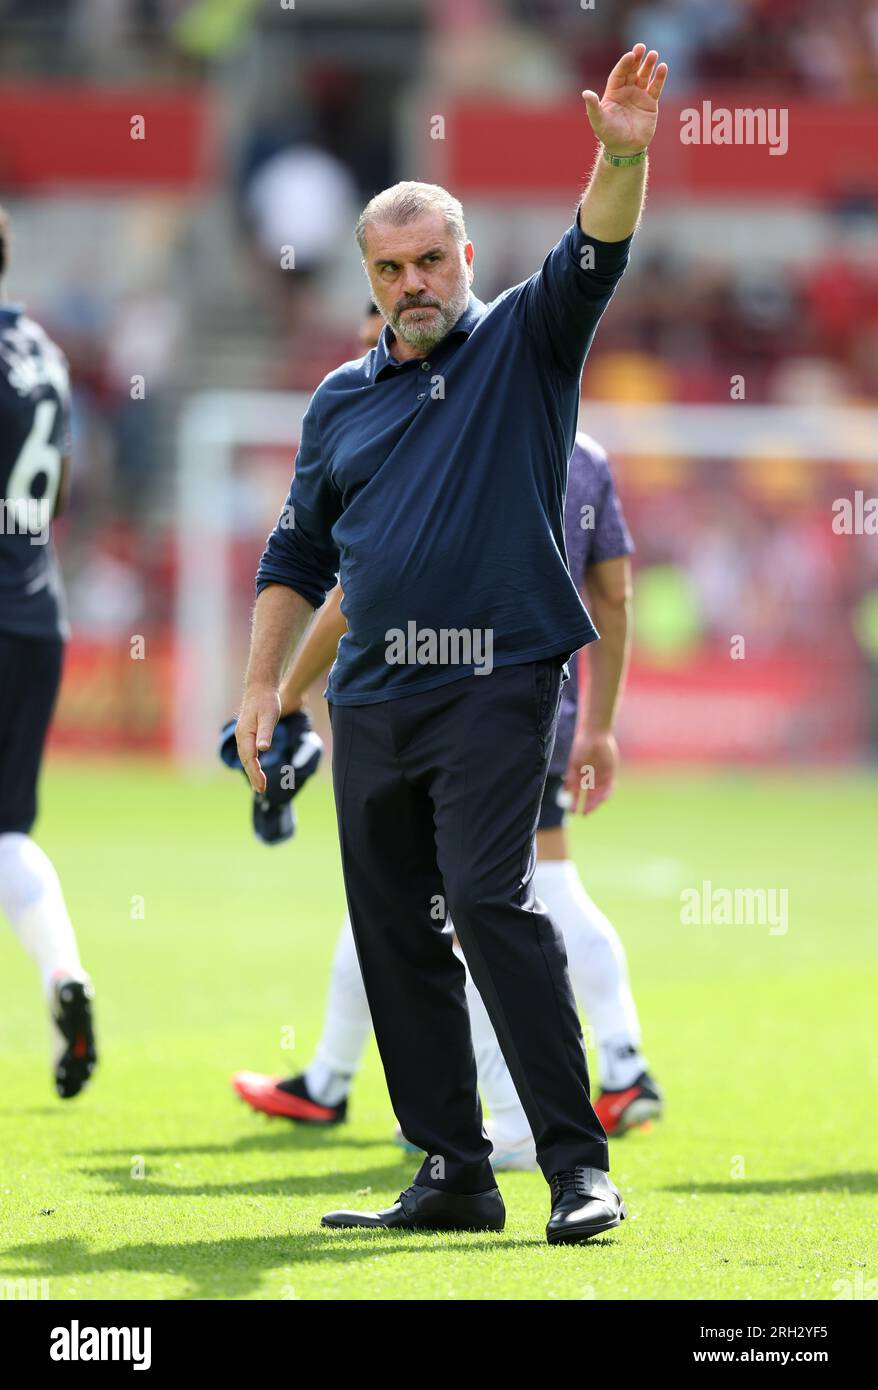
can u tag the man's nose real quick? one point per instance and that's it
(413, 283)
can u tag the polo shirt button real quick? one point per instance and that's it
(425, 366)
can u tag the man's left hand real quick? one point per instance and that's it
(591, 770)
(624, 119)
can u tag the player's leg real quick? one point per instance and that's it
(30, 892)
(595, 955)
(319, 1094)
(507, 1124)
(599, 973)
(31, 898)
(599, 970)
(347, 1024)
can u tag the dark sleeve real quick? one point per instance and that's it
(611, 535)
(560, 307)
(300, 551)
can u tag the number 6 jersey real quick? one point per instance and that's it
(34, 429)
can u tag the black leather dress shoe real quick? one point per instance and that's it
(428, 1209)
(584, 1203)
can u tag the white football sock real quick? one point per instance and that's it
(347, 1024)
(599, 975)
(598, 971)
(509, 1124)
(31, 897)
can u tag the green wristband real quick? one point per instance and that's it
(623, 161)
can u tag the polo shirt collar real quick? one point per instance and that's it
(383, 363)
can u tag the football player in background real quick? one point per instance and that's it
(581, 776)
(34, 478)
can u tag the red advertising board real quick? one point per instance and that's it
(113, 699)
(709, 708)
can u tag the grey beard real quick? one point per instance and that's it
(423, 336)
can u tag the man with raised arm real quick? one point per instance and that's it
(430, 478)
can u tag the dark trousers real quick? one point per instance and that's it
(437, 796)
(30, 673)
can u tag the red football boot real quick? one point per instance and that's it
(620, 1111)
(289, 1099)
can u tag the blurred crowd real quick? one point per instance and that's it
(753, 556)
(798, 45)
(309, 119)
(683, 331)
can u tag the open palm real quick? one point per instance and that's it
(624, 118)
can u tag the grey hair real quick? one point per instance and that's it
(405, 202)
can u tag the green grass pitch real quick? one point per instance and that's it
(210, 953)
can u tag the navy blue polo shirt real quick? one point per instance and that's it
(434, 488)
